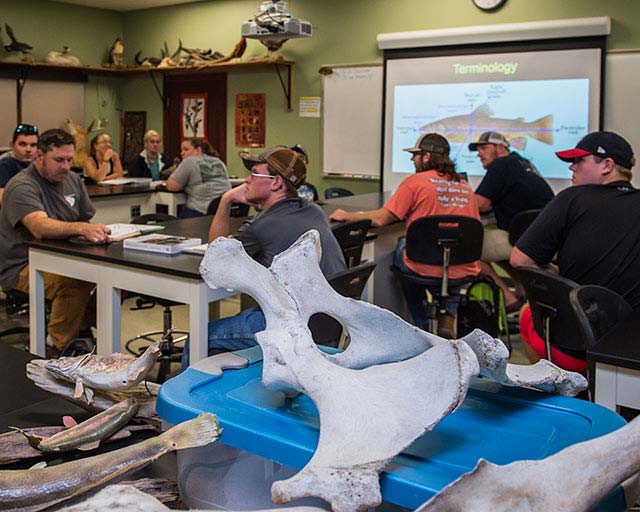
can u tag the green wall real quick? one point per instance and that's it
(344, 32)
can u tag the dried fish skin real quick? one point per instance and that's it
(113, 372)
(88, 434)
(37, 489)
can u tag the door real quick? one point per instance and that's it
(213, 86)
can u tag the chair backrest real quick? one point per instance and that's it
(308, 191)
(597, 309)
(153, 218)
(351, 237)
(520, 222)
(237, 209)
(350, 283)
(333, 192)
(553, 316)
(428, 236)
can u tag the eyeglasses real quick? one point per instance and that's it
(26, 129)
(256, 175)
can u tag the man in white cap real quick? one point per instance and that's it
(511, 185)
(591, 228)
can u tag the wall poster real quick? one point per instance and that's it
(194, 115)
(250, 120)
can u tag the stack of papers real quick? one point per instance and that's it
(125, 181)
(122, 231)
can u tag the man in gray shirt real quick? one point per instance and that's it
(46, 200)
(283, 217)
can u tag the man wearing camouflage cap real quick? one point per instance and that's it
(283, 217)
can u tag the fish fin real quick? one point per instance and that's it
(483, 110)
(88, 393)
(69, 422)
(543, 129)
(78, 391)
(199, 431)
(39, 465)
(519, 143)
(89, 446)
(34, 441)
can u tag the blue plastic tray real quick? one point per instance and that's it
(497, 423)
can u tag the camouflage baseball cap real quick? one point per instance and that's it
(284, 161)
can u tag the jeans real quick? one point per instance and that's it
(414, 294)
(231, 333)
(188, 213)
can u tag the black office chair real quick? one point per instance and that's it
(16, 305)
(333, 192)
(351, 237)
(519, 224)
(442, 240)
(597, 310)
(349, 283)
(171, 340)
(308, 191)
(237, 209)
(554, 319)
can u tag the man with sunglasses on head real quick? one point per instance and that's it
(47, 201)
(282, 218)
(591, 228)
(23, 144)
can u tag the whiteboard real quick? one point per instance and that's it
(46, 104)
(621, 106)
(352, 120)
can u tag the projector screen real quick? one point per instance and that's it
(542, 101)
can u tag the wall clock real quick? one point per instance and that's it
(489, 5)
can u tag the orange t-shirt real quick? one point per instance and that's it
(427, 193)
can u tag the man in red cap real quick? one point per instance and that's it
(592, 227)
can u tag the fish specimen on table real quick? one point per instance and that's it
(39, 488)
(64, 57)
(116, 53)
(88, 434)
(17, 46)
(467, 127)
(14, 446)
(113, 372)
(145, 393)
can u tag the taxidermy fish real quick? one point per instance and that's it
(36, 489)
(88, 434)
(117, 371)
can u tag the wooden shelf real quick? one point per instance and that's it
(45, 71)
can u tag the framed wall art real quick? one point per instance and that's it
(250, 120)
(193, 110)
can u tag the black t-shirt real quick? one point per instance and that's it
(513, 185)
(9, 167)
(595, 229)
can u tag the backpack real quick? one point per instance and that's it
(482, 307)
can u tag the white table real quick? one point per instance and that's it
(174, 278)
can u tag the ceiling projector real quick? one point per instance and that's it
(275, 23)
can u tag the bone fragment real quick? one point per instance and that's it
(572, 480)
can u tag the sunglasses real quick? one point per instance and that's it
(26, 129)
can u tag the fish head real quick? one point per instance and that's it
(66, 367)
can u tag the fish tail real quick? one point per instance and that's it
(34, 441)
(543, 129)
(199, 431)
